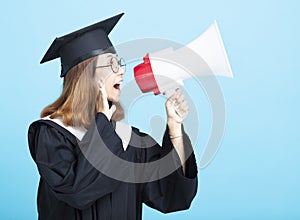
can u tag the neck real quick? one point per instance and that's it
(110, 103)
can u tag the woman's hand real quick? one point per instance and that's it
(103, 103)
(177, 110)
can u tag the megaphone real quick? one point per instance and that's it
(163, 71)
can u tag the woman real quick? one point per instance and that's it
(88, 169)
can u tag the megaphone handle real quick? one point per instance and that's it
(168, 93)
(170, 89)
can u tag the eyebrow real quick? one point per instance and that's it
(113, 55)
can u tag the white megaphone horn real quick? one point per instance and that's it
(163, 71)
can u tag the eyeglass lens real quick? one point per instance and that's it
(115, 64)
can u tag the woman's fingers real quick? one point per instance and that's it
(179, 104)
(180, 98)
(104, 107)
(102, 88)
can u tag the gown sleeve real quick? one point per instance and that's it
(175, 191)
(64, 168)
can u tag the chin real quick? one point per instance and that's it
(114, 99)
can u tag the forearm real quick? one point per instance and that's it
(176, 136)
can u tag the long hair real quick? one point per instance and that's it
(78, 103)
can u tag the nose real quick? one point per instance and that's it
(121, 71)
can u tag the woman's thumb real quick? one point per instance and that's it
(112, 110)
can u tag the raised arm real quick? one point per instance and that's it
(63, 166)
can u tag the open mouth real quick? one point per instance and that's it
(117, 86)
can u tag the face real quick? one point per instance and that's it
(112, 80)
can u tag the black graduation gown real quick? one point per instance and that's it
(71, 188)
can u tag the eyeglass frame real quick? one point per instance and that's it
(119, 62)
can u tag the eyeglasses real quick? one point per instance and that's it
(115, 64)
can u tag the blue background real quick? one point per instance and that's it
(255, 174)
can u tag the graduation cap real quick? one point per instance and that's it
(82, 44)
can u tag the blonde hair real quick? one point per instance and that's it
(78, 103)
